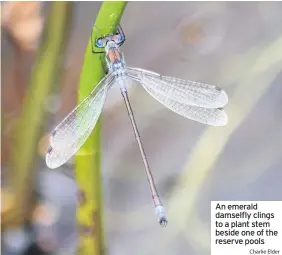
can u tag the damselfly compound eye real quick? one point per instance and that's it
(99, 43)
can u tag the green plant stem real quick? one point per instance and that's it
(88, 169)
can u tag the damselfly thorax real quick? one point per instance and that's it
(114, 58)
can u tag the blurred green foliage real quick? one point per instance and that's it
(45, 72)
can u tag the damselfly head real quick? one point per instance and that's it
(101, 41)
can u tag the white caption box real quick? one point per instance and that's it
(246, 227)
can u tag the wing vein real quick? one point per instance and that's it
(74, 130)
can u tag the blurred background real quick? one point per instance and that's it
(236, 45)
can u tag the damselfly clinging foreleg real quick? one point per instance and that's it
(193, 100)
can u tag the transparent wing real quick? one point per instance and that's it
(202, 114)
(184, 91)
(208, 116)
(73, 131)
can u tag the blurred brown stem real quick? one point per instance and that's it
(18, 71)
(46, 69)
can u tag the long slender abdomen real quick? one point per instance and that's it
(122, 84)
